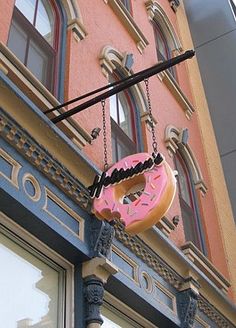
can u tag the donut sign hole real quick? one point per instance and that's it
(130, 190)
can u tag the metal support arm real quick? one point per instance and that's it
(124, 84)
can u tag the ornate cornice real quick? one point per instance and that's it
(148, 256)
(38, 156)
(211, 312)
(140, 249)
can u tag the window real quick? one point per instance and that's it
(162, 47)
(33, 38)
(122, 124)
(36, 284)
(113, 318)
(32, 286)
(188, 204)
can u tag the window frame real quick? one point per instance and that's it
(37, 248)
(53, 51)
(116, 129)
(115, 305)
(159, 33)
(191, 211)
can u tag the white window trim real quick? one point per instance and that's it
(173, 141)
(31, 241)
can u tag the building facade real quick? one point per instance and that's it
(61, 266)
(216, 56)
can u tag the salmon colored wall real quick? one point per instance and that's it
(5, 19)
(86, 75)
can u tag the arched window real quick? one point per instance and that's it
(34, 38)
(188, 204)
(162, 47)
(122, 123)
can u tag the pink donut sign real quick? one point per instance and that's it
(138, 190)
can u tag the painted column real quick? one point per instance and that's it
(95, 274)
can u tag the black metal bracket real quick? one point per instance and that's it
(118, 86)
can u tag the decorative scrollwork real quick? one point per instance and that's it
(148, 256)
(101, 238)
(187, 307)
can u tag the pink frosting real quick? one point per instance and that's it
(155, 183)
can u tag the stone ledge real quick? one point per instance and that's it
(19, 74)
(200, 260)
(165, 226)
(178, 94)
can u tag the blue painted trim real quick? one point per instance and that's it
(170, 247)
(30, 222)
(125, 292)
(79, 298)
(19, 94)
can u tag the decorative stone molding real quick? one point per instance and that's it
(112, 60)
(72, 9)
(125, 17)
(174, 4)
(157, 14)
(148, 256)
(101, 238)
(168, 274)
(212, 313)
(43, 160)
(93, 295)
(74, 19)
(196, 256)
(78, 29)
(178, 94)
(173, 141)
(21, 76)
(100, 267)
(165, 226)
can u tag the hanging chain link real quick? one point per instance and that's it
(154, 142)
(104, 135)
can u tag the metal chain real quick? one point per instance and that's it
(104, 135)
(154, 142)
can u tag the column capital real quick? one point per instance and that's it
(99, 267)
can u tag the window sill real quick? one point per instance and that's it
(19, 74)
(200, 260)
(129, 23)
(175, 89)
